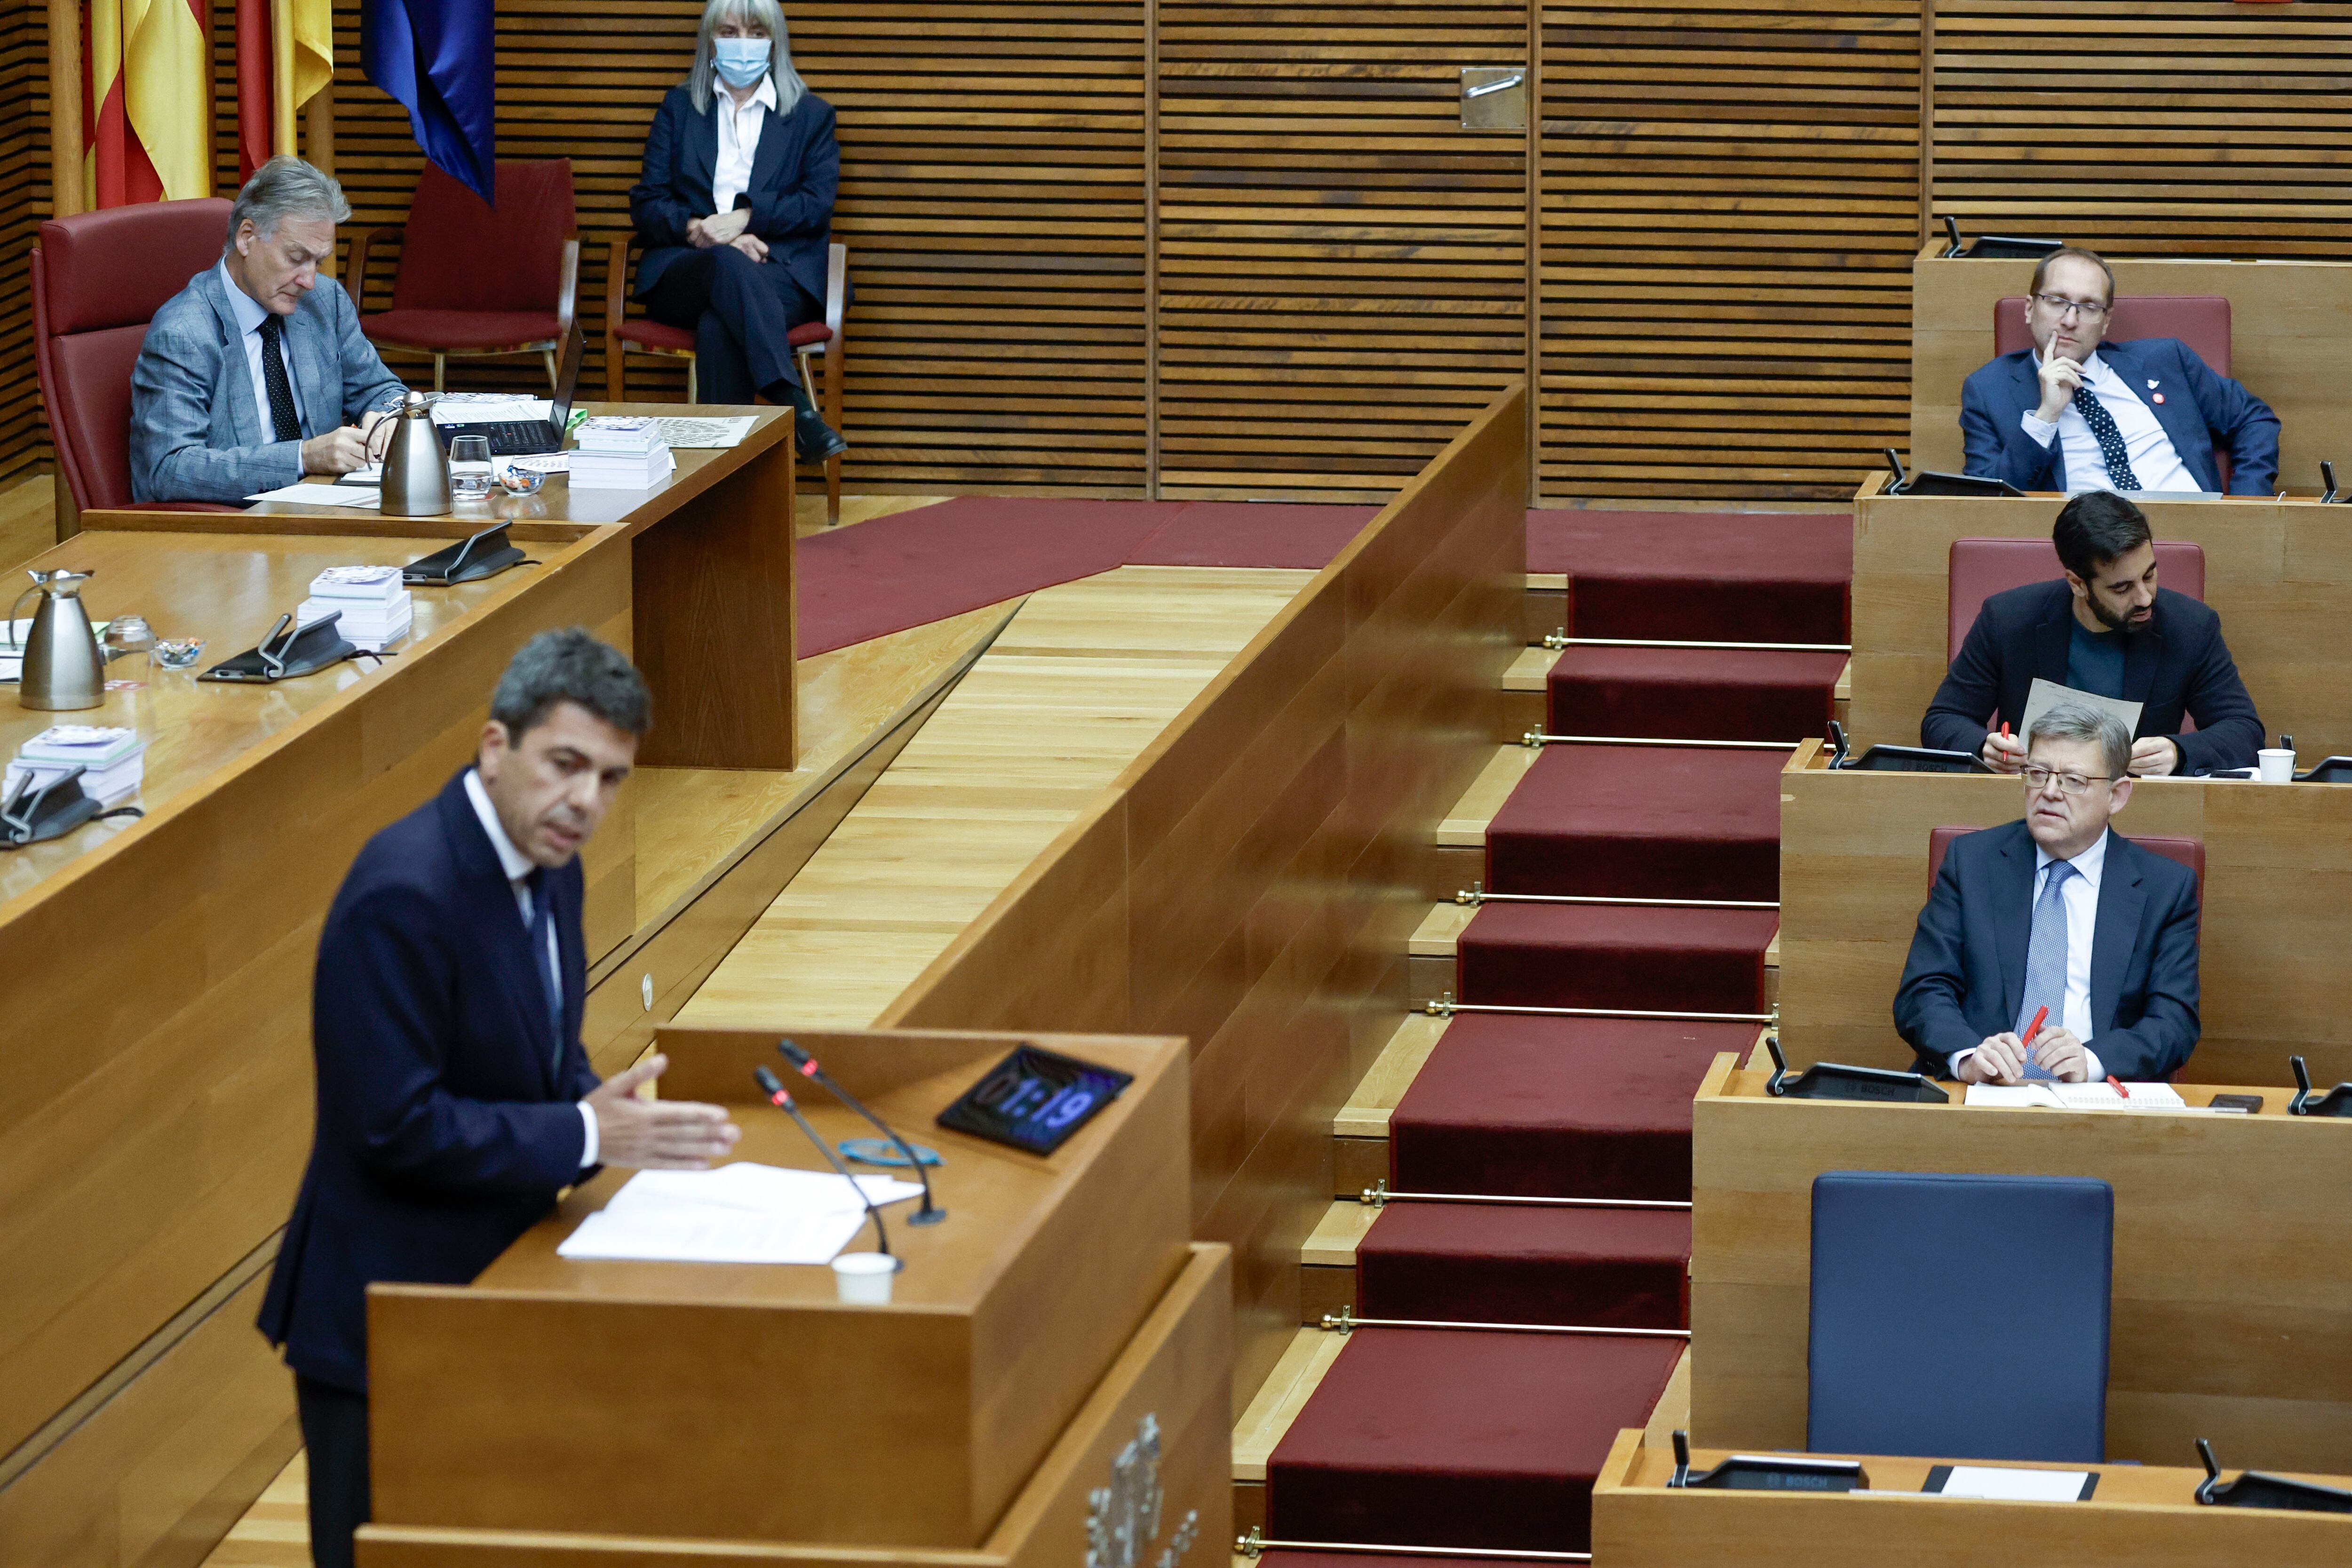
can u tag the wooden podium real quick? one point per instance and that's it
(1058, 1336)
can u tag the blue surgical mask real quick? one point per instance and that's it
(741, 61)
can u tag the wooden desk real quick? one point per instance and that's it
(2277, 919)
(157, 1016)
(2290, 337)
(2277, 572)
(2139, 1517)
(694, 1401)
(2233, 1311)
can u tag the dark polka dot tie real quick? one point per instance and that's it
(2110, 439)
(281, 391)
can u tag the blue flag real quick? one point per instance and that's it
(438, 58)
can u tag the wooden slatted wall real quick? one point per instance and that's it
(1729, 210)
(2148, 127)
(23, 202)
(1342, 268)
(993, 200)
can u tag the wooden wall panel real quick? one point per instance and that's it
(23, 202)
(1729, 209)
(2148, 127)
(1341, 267)
(1251, 880)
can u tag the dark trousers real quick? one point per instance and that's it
(741, 311)
(335, 1431)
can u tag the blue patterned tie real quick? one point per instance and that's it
(2110, 439)
(542, 928)
(2045, 960)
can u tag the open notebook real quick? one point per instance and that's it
(2077, 1096)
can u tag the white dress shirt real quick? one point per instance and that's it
(739, 140)
(518, 867)
(2154, 461)
(2079, 895)
(250, 314)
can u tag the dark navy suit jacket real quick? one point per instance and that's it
(795, 173)
(2178, 664)
(444, 1125)
(1965, 979)
(2203, 408)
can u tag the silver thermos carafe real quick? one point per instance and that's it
(415, 470)
(62, 668)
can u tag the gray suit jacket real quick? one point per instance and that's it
(195, 431)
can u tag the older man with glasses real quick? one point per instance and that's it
(2053, 947)
(2076, 413)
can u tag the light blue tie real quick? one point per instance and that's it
(2045, 960)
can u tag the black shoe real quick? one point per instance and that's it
(815, 439)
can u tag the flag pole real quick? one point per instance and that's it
(65, 108)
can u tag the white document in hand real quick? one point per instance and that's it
(2044, 695)
(740, 1213)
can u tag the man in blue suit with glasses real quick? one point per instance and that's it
(2076, 413)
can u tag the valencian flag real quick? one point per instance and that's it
(436, 57)
(285, 54)
(148, 101)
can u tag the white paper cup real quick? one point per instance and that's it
(2277, 766)
(864, 1277)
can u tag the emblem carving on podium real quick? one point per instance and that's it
(1123, 1518)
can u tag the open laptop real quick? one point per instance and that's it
(525, 437)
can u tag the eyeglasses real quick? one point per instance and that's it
(2068, 784)
(2058, 305)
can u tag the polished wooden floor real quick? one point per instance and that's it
(1083, 678)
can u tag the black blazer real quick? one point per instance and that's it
(2178, 665)
(1965, 979)
(795, 173)
(445, 1129)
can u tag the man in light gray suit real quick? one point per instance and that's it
(257, 373)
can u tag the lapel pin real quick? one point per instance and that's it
(2151, 383)
(2159, 397)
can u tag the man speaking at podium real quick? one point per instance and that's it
(454, 1097)
(2056, 922)
(2077, 413)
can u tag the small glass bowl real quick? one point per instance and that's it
(177, 653)
(517, 481)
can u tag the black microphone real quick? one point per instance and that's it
(782, 1099)
(805, 1064)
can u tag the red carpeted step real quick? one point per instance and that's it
(1674, 693)
(1587, 955)
(1563, 1108)
(1460, 1437)
(1642, 822)
(1710, 576)
(1252, 533)
(1508, 1263)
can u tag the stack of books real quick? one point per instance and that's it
(617, 452)
(377, 609)
(115, 759)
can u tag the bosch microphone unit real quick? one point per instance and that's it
(806, 1066)
(782, 1099)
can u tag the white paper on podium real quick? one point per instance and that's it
(2015, 1486)
(741, 1213)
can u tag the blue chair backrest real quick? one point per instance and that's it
(1960, 1317)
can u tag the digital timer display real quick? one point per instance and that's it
(1035, 1100)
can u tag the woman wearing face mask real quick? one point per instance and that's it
(735, 209)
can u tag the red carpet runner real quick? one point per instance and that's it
(1491, 1438)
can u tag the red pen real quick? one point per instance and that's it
(2117, 1085)
(2035, 1028)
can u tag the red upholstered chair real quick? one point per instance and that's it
(2188, 852)
(1983, 567)
(98, 279)
(477, 280)
(626, 335)
(2200, 320)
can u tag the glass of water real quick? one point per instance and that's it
(469, 467)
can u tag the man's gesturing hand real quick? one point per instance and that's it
(2059, 378)
(2000, 1058)
(656, 1134)
(338, 451)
